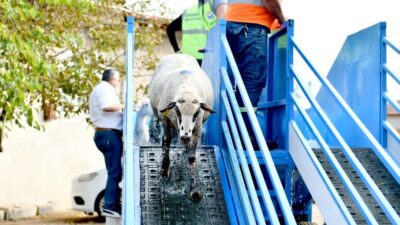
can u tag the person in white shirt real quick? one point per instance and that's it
(106, 115)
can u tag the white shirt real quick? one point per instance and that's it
(103, 96)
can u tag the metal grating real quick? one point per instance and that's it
(167, 202)
(378, 173)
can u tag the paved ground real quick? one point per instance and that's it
(61, 218)
(74, 217)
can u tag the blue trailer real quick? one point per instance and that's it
(337, 150)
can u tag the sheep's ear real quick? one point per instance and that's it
(169, 106)
(205, 107)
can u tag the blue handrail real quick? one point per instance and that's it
(333, 160)
(382, 201)
(271, 169)
(130, 209)
(242, 192)
(243, 161)
(389, 163)
(391, 45)
(385, 97)
(376, 192)
(252, 156)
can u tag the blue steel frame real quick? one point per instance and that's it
(131, 180)
(229, 112)
(377, 194)
(385, 98)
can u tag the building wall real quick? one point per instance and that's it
(38, 166)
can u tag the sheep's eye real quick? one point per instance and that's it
(181, 127)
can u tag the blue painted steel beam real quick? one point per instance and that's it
(358, 167)
(395, 105)
(336, 166)
(391, 45)
(130, 211)
(243, 161)
(225, 187)
(256, 167)
(275, 180)
(386, 159)
(391, 130)
(234, 191)
(326, 195)
(243, 195)
(391, 73)
(383, 88)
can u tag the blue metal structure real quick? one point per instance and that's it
(273, 187)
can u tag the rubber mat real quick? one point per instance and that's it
(166, 201)
(378, 173)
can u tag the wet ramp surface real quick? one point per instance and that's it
(166, 201)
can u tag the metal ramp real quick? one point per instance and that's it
(340, 143)
(166, 201)
(378, 173)
(339, 139)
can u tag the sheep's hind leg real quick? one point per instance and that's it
(166, 142)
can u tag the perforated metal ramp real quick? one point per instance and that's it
(167, 202)
(378, 173)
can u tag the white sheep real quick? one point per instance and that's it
(181, 97)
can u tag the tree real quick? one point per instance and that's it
(53, 51)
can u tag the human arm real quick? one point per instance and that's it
(274, 6)
(175, 25)
(220, 7)
(114, 108)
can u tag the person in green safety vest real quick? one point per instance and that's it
(195, 23)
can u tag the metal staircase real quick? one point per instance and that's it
(339, 148)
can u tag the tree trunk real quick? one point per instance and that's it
(1, 139)
(49, 111)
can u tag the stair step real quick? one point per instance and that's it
(378, 173)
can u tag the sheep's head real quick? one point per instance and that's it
(188, 110)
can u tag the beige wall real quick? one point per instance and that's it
(38, 167)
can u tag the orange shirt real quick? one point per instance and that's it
(246, 13)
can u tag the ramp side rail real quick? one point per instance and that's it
(233, 119)
(130, 199)
(294, 104)
(386, 126)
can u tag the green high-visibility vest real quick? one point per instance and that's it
(209, 17)
(194, 32)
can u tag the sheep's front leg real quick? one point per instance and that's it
(166, 142)
(191, 148)
(195, 192)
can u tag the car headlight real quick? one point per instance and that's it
(87, 177)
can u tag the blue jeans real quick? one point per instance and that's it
(249, 47)
(110, 144)
(249, 44)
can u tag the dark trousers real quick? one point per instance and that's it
(110, 144)
(249, 44)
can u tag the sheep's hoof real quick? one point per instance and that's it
(164, 172)
(196, 195)
(192, 160)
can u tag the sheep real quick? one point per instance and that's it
(181, 97)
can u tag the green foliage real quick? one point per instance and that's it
(52, 52)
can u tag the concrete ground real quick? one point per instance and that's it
(59, 218)
(75, 217)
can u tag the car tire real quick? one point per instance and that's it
(98, 205)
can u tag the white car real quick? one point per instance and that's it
(88, 192)
(88, 189)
